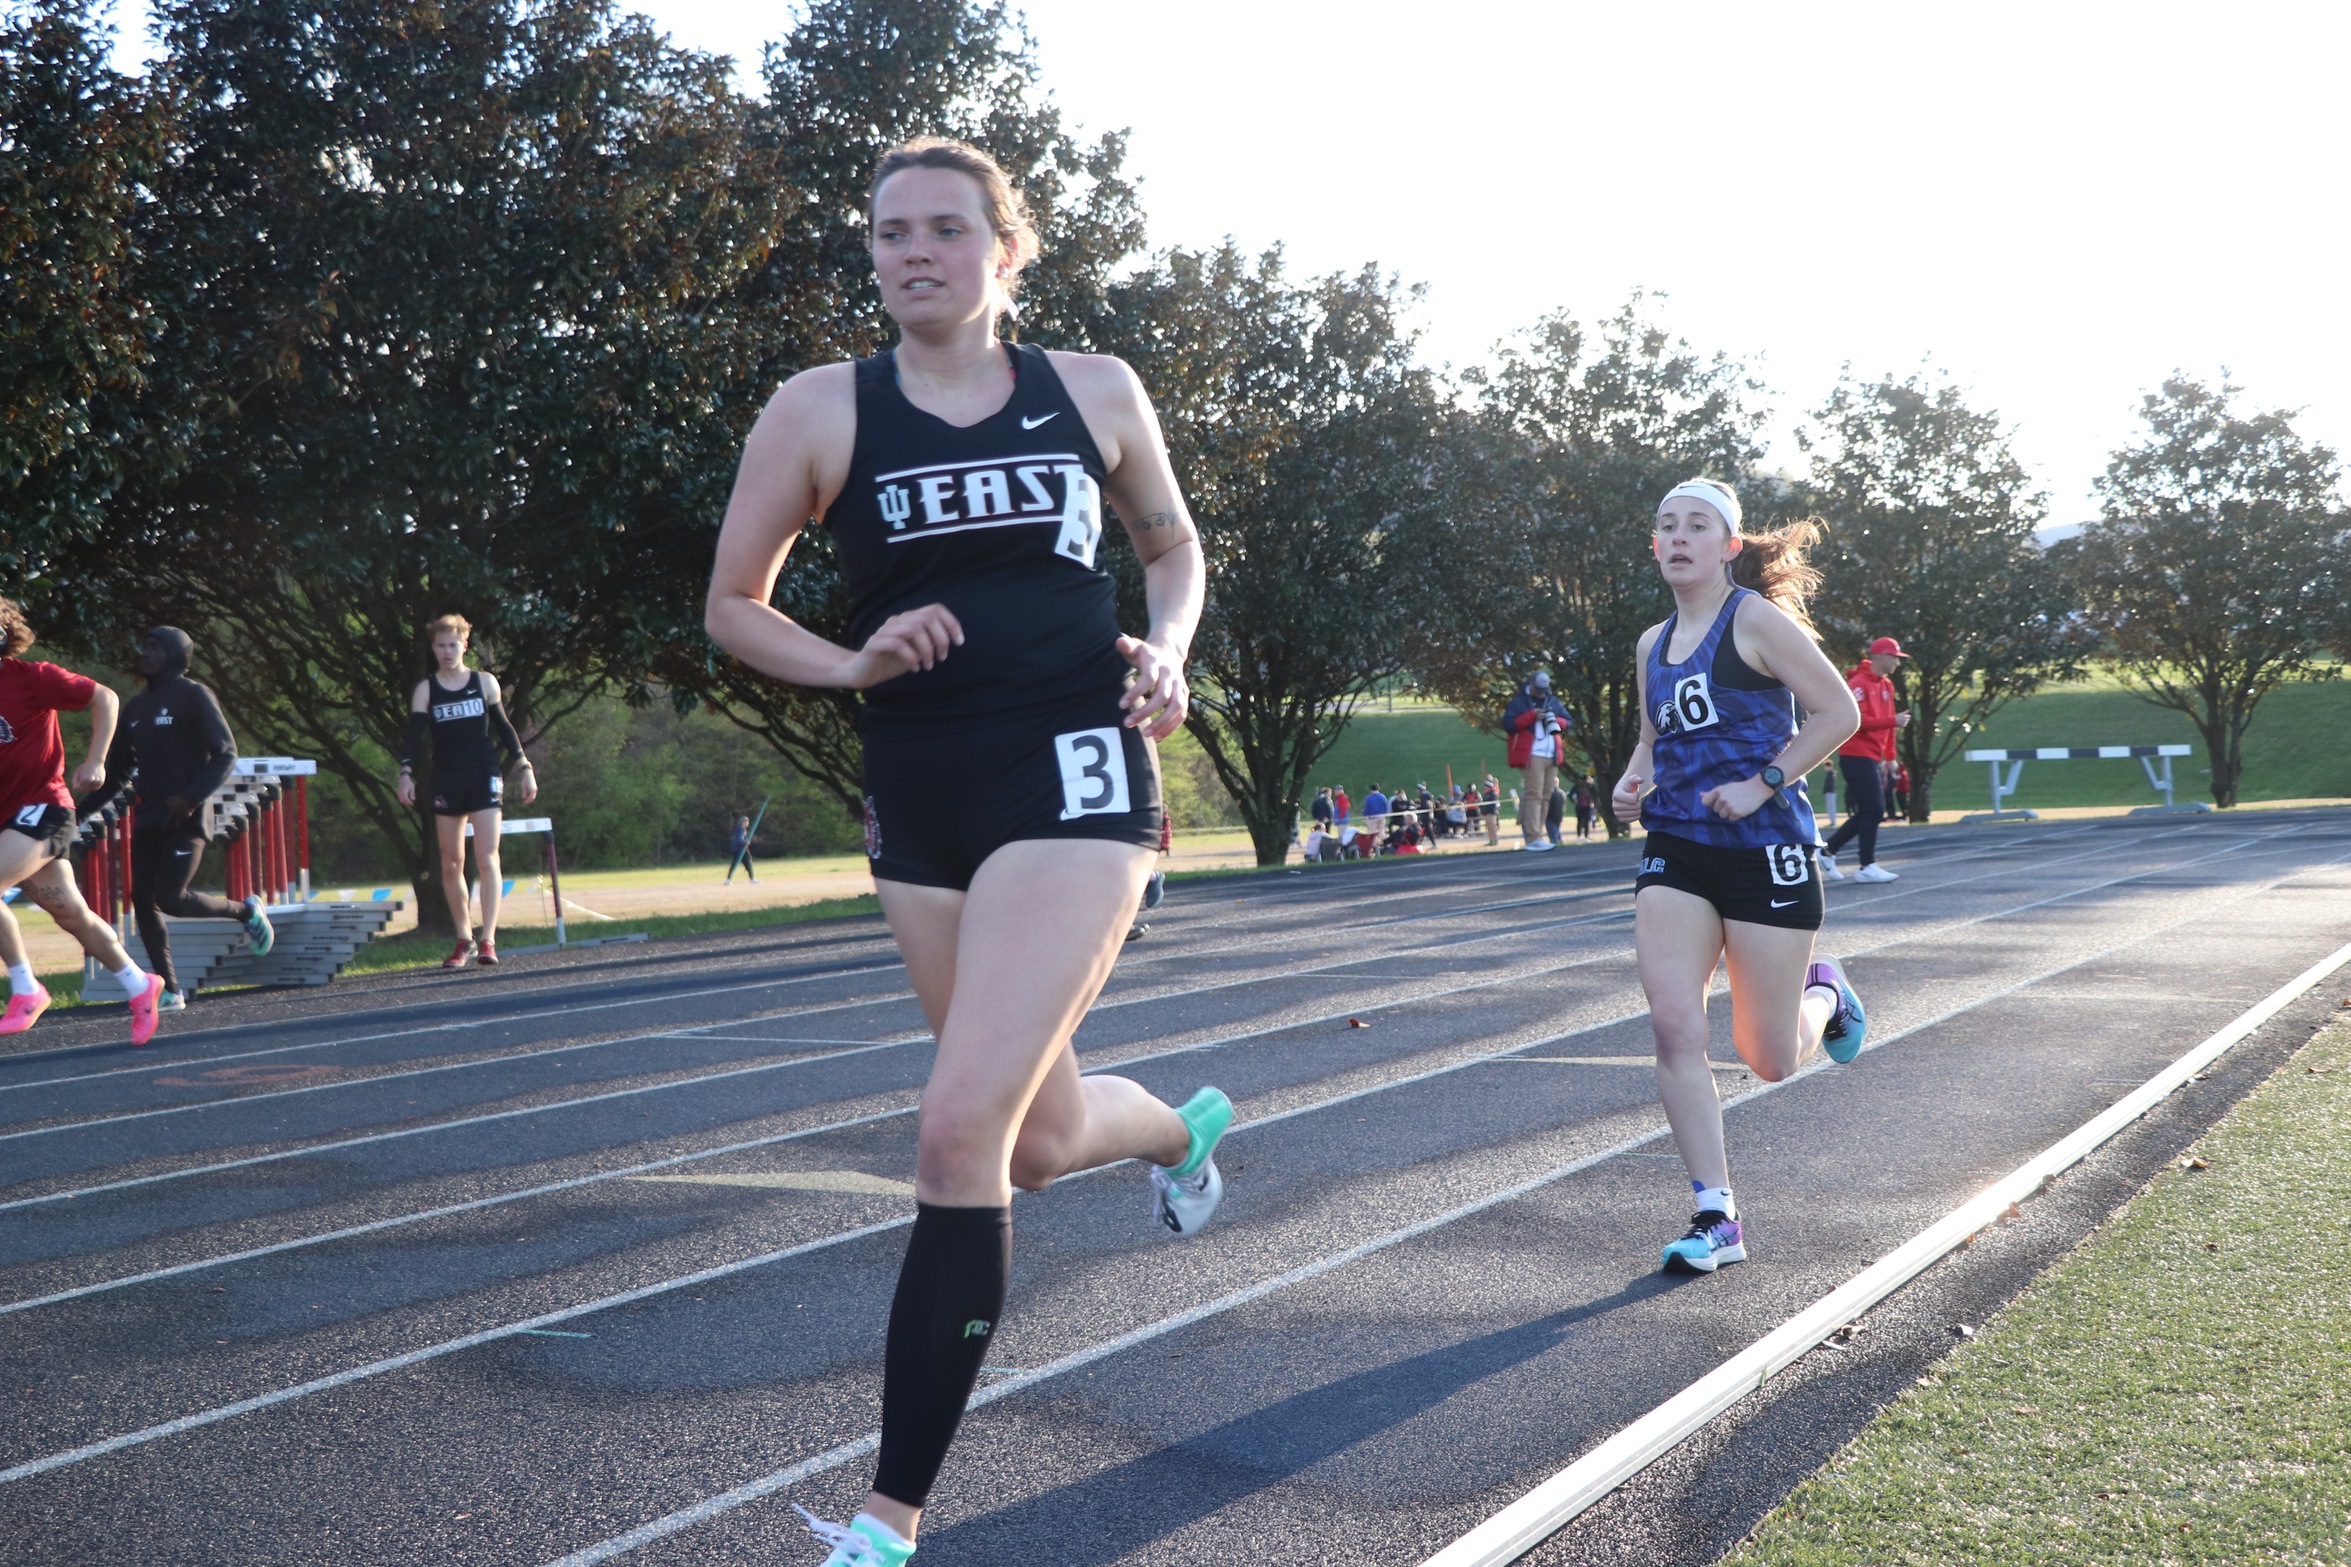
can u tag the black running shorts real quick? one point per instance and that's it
(468, 793)
(1762, 884)
(941, 798)
(52, 826)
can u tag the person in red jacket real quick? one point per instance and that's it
(1862, 761)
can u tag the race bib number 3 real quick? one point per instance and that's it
(1093, 773)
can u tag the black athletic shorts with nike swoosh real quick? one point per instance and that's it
(1770, 884)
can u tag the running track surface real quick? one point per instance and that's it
(500, 1268)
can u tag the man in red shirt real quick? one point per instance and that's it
(1861, 761)
(37, 823)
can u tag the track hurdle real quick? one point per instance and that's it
(259, 821)
(2146, 755)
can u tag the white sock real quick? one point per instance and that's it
(20, 979)
(1716, 1199)
(131, 976)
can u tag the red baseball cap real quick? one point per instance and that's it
(1888, 646)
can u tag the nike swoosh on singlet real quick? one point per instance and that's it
(1031, 424)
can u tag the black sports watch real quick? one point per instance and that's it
(1773, 778)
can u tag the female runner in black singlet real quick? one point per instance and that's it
(963, 480)
(460, 708)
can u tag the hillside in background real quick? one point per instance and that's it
(2298, 748)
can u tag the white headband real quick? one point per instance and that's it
(1715, 495)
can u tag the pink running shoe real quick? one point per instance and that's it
(25, 1010)
(144, 1015)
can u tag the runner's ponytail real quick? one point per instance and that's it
(1773, 563)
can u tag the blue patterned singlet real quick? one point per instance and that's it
(1717, 722)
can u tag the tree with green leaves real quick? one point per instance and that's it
(1301, 432)
(853, 79)
(2216, 567)
(1930, 540)
(1578, 433)
(78, 141)
(453, 295)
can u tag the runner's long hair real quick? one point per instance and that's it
(1773, 561)
(16, 633)
(1774, 564)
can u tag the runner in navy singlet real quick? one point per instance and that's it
(461, 710)
(1727, 869)
(963, 480)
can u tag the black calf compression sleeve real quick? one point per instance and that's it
(950, 1295)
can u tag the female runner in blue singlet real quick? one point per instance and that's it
(962, 479)
(1727, 871)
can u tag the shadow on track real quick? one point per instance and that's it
(1111, 1515)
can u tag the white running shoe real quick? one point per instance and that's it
(1184, 1202)
(1538, 845)
(1875, 873)
(1828, 868)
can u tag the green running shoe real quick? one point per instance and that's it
(861, 1542)
(1841, 1038)
(257, 927)
(1186, 1195)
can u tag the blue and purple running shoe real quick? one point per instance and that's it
(1713, 1240)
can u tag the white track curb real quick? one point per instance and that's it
(1534, 1517)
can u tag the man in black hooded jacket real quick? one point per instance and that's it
(174, 735)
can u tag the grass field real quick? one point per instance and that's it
(1409, 746)
(2298, 748)
(2177, 1391)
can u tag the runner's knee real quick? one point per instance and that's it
(958, 1142)
(1041, 1156)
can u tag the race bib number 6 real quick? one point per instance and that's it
(1790, 864)
(1093, 773)
(1693, 702)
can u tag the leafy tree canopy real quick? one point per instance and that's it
(1578, 432)
(2216, 566)
(1930, 541)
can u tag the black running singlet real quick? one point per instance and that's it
(461, 729)
(1000, 522)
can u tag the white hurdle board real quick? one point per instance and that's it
(2146, 755)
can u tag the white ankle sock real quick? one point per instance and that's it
(1716, 1199)
(20, 979)
(132, 977)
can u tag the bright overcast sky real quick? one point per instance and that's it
(2055, 204)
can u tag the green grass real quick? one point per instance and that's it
(2298, 748)
(418, 949)
(1409, 746)
(2177, 1391)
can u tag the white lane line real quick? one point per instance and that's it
(1320, 935)
(546, 1188)
(1511, 976)
(1068, 1362)
(1536, 1516)
(1331, 969)
(189, 1062)
(376, 1368)
(767, 1485)
(193, 1062)
(1140, 997)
